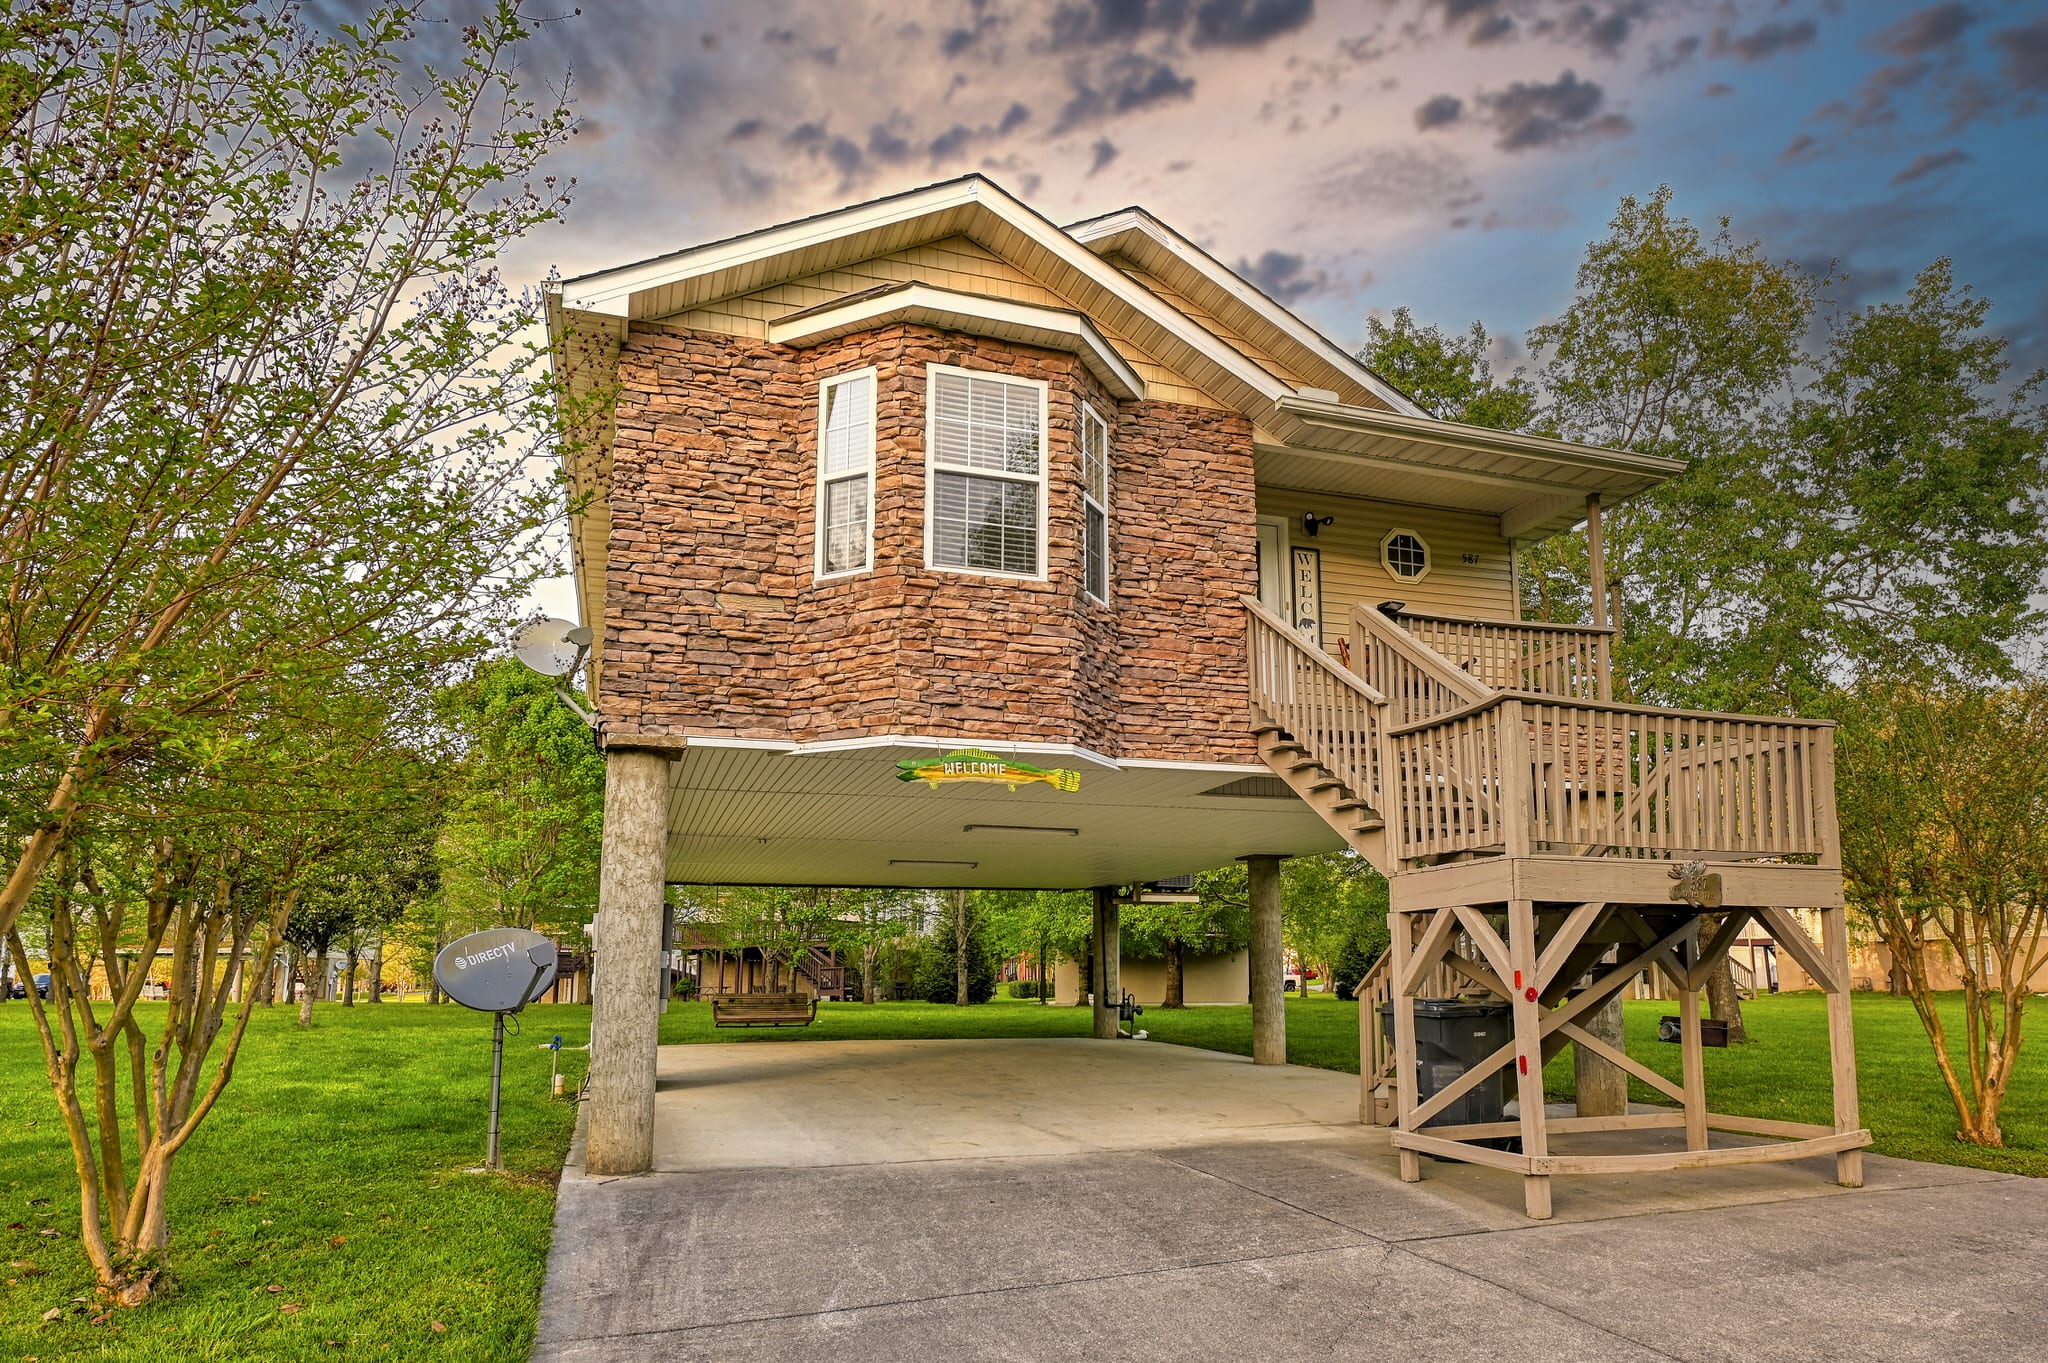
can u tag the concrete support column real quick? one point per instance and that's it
(1106, 962)
(1269, 994)
(625, 1014)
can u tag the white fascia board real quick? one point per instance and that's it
(928, 743)
(611, 291)
(1185, 251)
(1342, 416)
(1027, 323)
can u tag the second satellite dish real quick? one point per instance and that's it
(551, 647)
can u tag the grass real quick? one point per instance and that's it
(334, 1167)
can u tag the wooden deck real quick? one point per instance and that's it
(1545, 846)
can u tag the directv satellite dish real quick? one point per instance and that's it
(497, 971)
(553, 648)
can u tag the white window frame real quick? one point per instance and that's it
(1091, 420)
(825, 386)
(1386, 557)
(932, 468)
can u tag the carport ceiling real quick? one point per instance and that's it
(771, 816)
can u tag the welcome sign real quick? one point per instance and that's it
(972, 764)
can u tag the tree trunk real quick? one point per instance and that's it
(1724, 1003)
(348, 988)
(377, 975)
(960, 948)
(306, 1006)
(1602, 1085)
(867, 971)
(1084, 970)
(1044, 975)
(1175, 998)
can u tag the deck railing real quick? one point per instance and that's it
(1521, 655)
(1527, 773)
(1330, 712)
(1418, 682)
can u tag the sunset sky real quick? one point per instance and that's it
(1452, 156)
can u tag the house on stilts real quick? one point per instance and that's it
(931, 544)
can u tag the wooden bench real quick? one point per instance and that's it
(763, 1010)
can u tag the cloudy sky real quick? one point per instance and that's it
(1452, 156)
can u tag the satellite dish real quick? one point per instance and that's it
(499, 970)
(553, 648)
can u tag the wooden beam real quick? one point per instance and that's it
(1607, 985)
(1716, 948)
(1404, 1040)
(1478, 974)
(1569, 934)
(1426, 953)
(1596, 560)
(1701, 1159)
(1613, 1055)
(1766, 1126)
(1842, 1043)
(1802, 948)
(1480, 929)
(1409, 1142)
(1459, 1087)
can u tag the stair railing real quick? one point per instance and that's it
(1327, 709)
(1418, 682)
(1522, 655)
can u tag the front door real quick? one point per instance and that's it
(1273, 582)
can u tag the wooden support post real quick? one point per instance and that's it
(1834, 926)
(1692, 1061)
(1107, 958)
(1522, 957)
(1596, 561)
(625, 1013)
(1269, 991)
(1403, 946)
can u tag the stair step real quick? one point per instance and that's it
(1328, 783)
(1307, 764)
(1368, 825)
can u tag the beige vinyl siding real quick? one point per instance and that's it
(954, 263)
(1207, 320)
(1353, 575)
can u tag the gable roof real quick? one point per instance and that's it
(1323, 420)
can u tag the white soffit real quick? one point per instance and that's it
(766, 815)
(1000, 318)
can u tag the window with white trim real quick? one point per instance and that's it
(846, 473)
(985, 454)
(1094, 504)
(1404, 555)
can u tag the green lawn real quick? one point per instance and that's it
(335, 1165)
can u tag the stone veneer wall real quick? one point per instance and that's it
(714, 624)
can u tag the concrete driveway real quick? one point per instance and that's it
(1074, 1199)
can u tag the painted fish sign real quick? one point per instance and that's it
(972, 764)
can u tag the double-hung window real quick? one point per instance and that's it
(986, 458)
(1094, 503)
(846, 473)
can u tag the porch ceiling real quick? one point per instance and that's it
(838, 815)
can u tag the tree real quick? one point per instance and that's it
(263, 455)
(526, 807)
(1219, 920)
(865, 921)
(1944, 793)
(381, 870)
(1448, 376)
(251, 400)
(1047, 923)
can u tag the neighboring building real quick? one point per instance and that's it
(1205, 978)
(930, 544)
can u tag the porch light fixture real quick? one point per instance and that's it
(1312, 524)
(1017, 828)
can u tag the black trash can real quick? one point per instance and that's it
(1451, 1036)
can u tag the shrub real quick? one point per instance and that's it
(1023, 989)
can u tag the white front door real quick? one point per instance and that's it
(1273, 576)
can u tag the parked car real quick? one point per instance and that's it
(42, 987)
